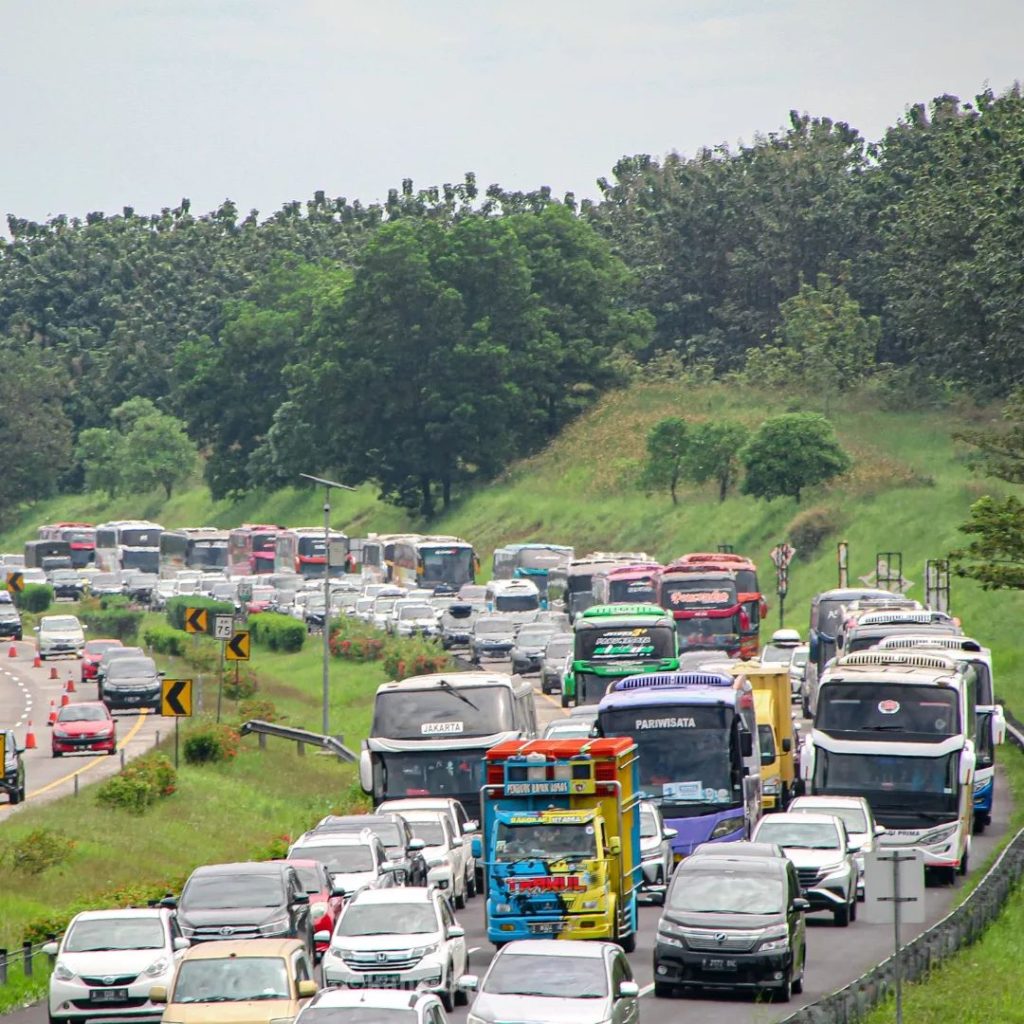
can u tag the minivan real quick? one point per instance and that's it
(60, 635)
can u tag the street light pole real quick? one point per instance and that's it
(327, 485)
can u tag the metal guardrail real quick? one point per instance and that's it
(959, 928)
(23, 957)
(301, 737)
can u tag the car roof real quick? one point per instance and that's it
(382, 997)
(120, 912)
(426, 803)
(396, 894)
(336, 839)
(577, 948)
(243, 948)
(763, 865)
(244, 867)
(829, 801)
(741, 849)
(803, 819)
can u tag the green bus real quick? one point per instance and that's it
(615, 640)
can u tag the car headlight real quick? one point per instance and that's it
(503, 908)
(339, 952)
(63, 973)
(186, 931)
(727, 826)
(772, 944)
(831, 869)
(669, 940)
(590, 904)
(772, 786)
(425, 950)
(157, 967)
(940, 835)
(279, 924)
(61, 734)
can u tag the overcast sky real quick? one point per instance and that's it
(107, 103)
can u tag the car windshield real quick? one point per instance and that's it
(55, 622)
(493, 625)
(364, 1013)
(105, 579)
(122, 668)
(416, 611)
(309, 878)
(263, 593)
(222, 891)
(99, 646)
(109, 933)
(388, 919)
(231, 980)
(533, 636)
(810, 836)
(551, 841)
(82, 713)
(557, 977)
(431, 832)
(117, 653)
(799, 659)
(852, 817)
(558, 649)
(337, 859)
(727, 892)
(568, 730)
(776, 655)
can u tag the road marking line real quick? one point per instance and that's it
(473, 949)
(551, 700)
(647, 989)
(96, 760)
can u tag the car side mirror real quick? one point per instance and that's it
(880, 830)
(669, 833)
(787, 745)
(158, 994)
(456, 932)
(49, 948)
(628, 990)
(307, 988)
(456, 842)
(171, 902)
(180, 943)
(852, 846)
(322, 936)
(434, 862)
(301, 899)
(470, 826)
(801, 904)
(469, 982)
(416, 845)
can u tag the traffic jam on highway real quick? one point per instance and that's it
(620, 765)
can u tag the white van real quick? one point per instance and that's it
(60, 635)
(517, 599)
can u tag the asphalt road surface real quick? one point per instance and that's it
(26, 694)
(835, 956)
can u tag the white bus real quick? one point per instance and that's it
(430, 734)
(128, 544)
(518, 599)
(898, 727)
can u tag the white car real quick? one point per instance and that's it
(856, 815)
(355, 860)
(398, 938)
(656, 857)
(413, 617)
(462, 827)
(60, 635)
(108, 960)
(363, 609)
(372, 1006)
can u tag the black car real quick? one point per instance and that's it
(732, 923)
(251, 900)
(139, 586)
(531, 641)
(396, 835)
(493, 637)
(10, 619)
(66, 583)
(131, 683)
(457, 624)
(12, 776)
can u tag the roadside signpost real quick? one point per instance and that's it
(781, 555)
(196, 620)
(15, 582)
(176, 702)
(235, 645)
(843, 562)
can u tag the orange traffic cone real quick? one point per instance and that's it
(70, 686)
(53, 713)
(12, 651)
(53, 672)
(37, 662)
(65, 699)
(30, 737)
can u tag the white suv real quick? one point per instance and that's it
(108, 960)
(398, 938)
(457, 848)
(372, 1005)
(354, 860)
(60, 635)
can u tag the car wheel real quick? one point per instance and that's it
(784, 993)
(471, 884)
(112, 751)
(461, 997)
(14, 795)
(447, 997)
(853, 908)
(841, 915)
(663, 990)
(964, 865)
(57, 753)
(57, 1020)
(798, 983)
(628, 943)
(460, 898)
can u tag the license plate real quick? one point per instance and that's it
(383, 980)
(545, 927)
(717, 964)
(108, 995)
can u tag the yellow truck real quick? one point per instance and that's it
(773, 710)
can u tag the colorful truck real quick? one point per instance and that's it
(561, 840)
(615, 640)
(778, 741)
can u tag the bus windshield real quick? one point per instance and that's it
(625, 643)
(543, 558)
(209, 554)
(707, 632)
(698, 594)
(264, 541)
(443, 711)
(141, 537)
(409, 773)
(642, 591)
(516, 602)
(888, 707)
(452, 565)
(684, 751)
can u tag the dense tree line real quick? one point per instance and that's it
(424, 341)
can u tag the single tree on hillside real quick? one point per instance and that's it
(791, 452)
(666, 453)
(713, 453)
(995, 555)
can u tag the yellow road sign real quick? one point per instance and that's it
(15, 582)
(195, 620)
(176, 698)
(237, 648)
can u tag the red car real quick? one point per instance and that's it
(92, 653)
(324, 905)
(88, 726)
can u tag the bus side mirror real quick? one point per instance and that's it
(787, 745)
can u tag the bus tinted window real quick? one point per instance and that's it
(434, 713)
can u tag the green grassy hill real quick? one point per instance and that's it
(908, 491)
